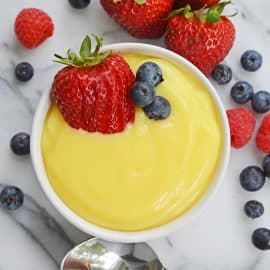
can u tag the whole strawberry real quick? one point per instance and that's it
(202, 37)
(141, 18)
(196, 4)
(93, 91)
(32, 26)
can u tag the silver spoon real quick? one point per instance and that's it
(97, 254)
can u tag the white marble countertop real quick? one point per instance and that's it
(36, 236)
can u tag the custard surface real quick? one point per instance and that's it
(147, 175)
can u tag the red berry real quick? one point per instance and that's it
(263, 135)
(203, 43)
(242, 123)
(32, 27)
(96, 98)
(146, 20)
(196, 4)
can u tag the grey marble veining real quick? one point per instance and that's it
(36, 236)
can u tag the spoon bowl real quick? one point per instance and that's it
(97, 254)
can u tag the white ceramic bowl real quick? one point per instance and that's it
(139, 236)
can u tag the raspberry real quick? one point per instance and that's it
(263, 135)
(32, 27)
(242, 124)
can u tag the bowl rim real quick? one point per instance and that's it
(136, 236)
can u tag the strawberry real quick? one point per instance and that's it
(263, 135)
(32, 26)
(92, 92)
(242, 124)
(141, 18)
(196, 4)
(203, 38)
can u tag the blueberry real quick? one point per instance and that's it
(222, 74)
(159, 109)
(266, 165)
(242, 92)
(142, 94)
(11, 197)
(261, 238)
(79, 4)
(252, 178)
(254, 209)
(251, 60)
(20, 144)
(24, 71)
(150, 72)
(261, 102)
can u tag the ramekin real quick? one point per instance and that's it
(137, 236)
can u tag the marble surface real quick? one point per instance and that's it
(36, 236)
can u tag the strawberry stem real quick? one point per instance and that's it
(210, 15)
(87, 57)
(186, 11)
(85, 49)
(213, 14)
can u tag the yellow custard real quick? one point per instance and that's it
(147, 175)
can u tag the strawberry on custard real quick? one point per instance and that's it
(93, 91)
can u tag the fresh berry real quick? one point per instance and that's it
(79, 4)
(151, 73)
(11, 197)
(251, 60)
(261, 238)
(261, 102)
(252, 178)
(242, 123)
(203, 39)
(266, 165)
(93, 91)
(20, 144)
(159, 109)
(196, 4)
(32, 27)
(222, 74)
(254, 209)
(24, 71)
(142, 94)
(263, 135)
(141, 18)
(242, 92)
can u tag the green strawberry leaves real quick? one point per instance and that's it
(213, 14)
(185, 11)
(85, 49)
(210, 15)
(87, 57)
(140, 2)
